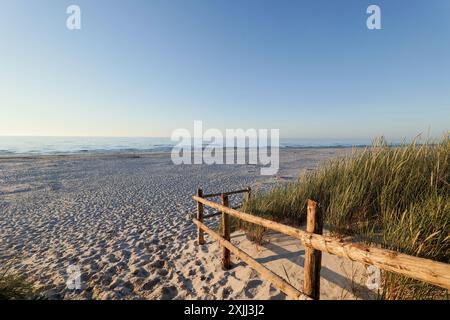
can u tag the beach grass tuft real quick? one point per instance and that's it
(394, 196)
(13, 286)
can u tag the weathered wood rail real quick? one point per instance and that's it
(433, 272)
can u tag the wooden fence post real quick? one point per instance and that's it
(249, 193)
(313, 258)
(200, 238)
(225, 233)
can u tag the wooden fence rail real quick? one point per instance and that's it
(426, 270)
(212, 195)
(279, 282)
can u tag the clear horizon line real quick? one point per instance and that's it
(160, 137)
(168, 137)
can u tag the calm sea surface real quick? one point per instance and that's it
(70, 145)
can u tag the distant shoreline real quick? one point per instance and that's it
(128, 153)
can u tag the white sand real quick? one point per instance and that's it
(124, 220)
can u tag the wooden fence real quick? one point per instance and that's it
(436, 273)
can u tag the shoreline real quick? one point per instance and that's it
(144, 153)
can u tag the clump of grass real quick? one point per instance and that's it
(421, 230)
(14, 287)
(254, 233)
(395, 196)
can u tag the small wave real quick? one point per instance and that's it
(6, 152)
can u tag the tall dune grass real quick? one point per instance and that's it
(12, 286)
(395, 196)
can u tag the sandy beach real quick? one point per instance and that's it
(124, 219)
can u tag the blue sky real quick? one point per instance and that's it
(144, 68)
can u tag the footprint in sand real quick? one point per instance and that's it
(140, 272)
(209, 277)
(158, 264)
(191, 273)
(226, 292)
(167, 292)
(162, 272)
(150, 285)
(251, 289)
